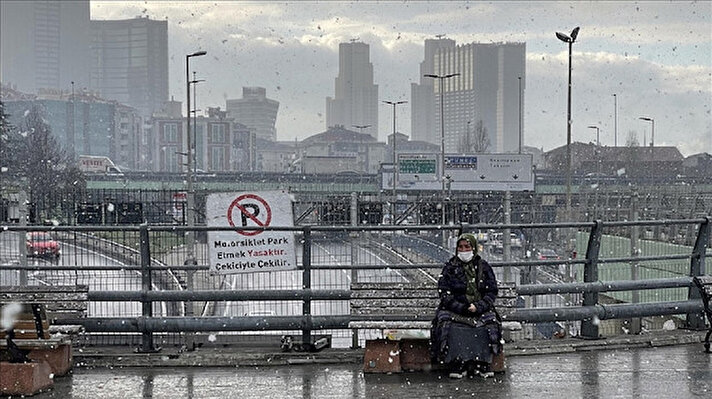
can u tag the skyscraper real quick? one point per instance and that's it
(44, 44)
(422, 103)
(484, 97)
(130, 62)
(255, 111)
(356, 97)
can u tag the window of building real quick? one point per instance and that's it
(170, 133)
(217, 158)
(217, 133)
(170, 159)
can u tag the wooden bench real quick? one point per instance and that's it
(404, 312)
(44, 328)
(704, 284)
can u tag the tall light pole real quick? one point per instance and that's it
(652, 133)
(441, 79)
(615, 120)
(395, 160)
(360, 130)
(190, 199)
(570, 39)
(598, 140)
(195, 110)
(520, 113)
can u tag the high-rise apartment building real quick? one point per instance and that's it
(44, 44)
(422, 103)
(355, 101)
(130, 62)
(484, 98)
(255, 111)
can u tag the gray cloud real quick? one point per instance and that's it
(654, 55)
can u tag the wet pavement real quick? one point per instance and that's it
(557, 370)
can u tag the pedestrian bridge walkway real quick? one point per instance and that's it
(669, 364)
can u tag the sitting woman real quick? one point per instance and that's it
(466, 331)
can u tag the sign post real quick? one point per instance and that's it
(248, 251)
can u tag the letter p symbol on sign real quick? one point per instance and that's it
(255, 211)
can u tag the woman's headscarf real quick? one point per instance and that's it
(469, 237)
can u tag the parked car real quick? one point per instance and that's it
(41, 244)
(546, 254)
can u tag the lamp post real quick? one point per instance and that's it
(190, 199)
(570, 39)
(195, 110)
(360, 130)
(395, 160)
(441, 79)
(652, 133)
(520, 113)
(190, 244)
(598, 141)
(615, 120)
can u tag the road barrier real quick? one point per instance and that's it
(560, 291)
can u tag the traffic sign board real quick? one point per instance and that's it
(250, 250)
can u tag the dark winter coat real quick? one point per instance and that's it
(452, 287)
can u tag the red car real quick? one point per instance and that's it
(42, 244)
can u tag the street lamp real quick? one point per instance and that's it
(652, 133)
(360, 130)
(570, 39)
(441, 79)
(598, 141)
(190, 199)
(395, 160)
(195, 110)
(615, 120)
(520, 113)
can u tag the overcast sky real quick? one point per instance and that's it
(655, 55)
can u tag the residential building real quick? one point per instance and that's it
(82, 122)
(631, 162)
(255, 111)
(355, 101)
(130, 62)
(220, 144)
(277, 157)
(485, 94)
(44, 45)
(405, 146)
(340, 150)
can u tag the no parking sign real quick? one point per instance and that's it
(245, 251)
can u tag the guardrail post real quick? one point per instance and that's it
(635, 251)
(354, 237)
(22, 204)
(696, 321)
(306, 284)
(589, 328)
(146, 304)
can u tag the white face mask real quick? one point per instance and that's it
(465, 256)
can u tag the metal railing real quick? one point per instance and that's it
(138, 286)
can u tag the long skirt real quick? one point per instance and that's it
(467, 343)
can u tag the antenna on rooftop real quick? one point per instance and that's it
(440, 36)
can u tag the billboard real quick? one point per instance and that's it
(463, 172)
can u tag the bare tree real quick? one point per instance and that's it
(35, 157)
(475, 141)
(632, 139)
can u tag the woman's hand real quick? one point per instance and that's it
(472, 308)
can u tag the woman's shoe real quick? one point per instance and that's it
(458, 374)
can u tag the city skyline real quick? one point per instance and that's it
(650, 54)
